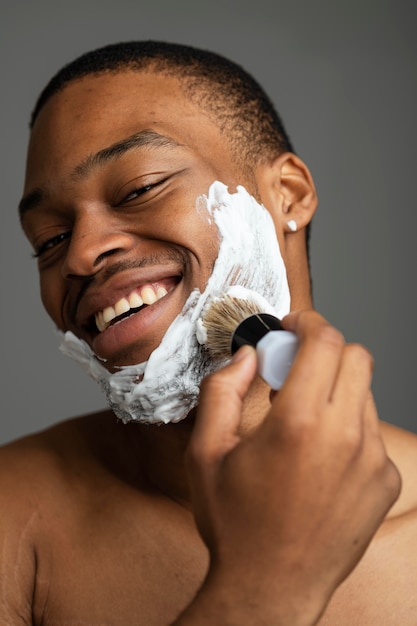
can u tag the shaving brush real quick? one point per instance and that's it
(230, 322)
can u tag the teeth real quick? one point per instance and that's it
(135, 300)
(109, 314)
(147, 295)
(101, 324)
(122, 306)
(161, 292)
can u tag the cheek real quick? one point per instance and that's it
(184, 219)
(51, 298)
(203, 240)
(194, 232)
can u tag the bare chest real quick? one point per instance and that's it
(143, 565)
(137, 571)
(382, 590)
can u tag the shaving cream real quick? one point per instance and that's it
(249, 263)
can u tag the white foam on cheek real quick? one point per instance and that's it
(166, 387)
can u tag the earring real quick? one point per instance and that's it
(292, 225)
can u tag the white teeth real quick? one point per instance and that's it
(122, 306)
(101, 324)
(148, 295)
(109, 314)
(161, 292)
(133, 301)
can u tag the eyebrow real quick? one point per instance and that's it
(30, 201)
(141, 139)
(116, 150)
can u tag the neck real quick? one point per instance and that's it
(151, 457)
(162, 458)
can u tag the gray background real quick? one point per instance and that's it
(343, 77)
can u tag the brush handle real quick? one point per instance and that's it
(276, 351)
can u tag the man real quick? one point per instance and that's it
(257, 508)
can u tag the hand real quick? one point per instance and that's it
(288, 511)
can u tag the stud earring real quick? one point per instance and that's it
(292, 225)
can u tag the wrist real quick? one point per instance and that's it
(238, 600)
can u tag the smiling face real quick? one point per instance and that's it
(115, 165)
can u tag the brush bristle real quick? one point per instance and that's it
(221, 320)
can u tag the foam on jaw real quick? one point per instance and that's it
(166, 387)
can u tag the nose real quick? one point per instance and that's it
(94, 238)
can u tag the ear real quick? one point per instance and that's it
(288, 192)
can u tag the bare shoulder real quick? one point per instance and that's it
(35, 479)
(37, 464)
(18, 557)
(35, 469)
(401, 447)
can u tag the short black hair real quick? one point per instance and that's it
(221, 88)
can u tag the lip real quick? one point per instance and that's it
(143, 329)
(98, 297)
(101, 296)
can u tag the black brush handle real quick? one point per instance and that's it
(252, 329)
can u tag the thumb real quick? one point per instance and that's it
(220, 408)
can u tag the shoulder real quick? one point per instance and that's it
(32, 470)
(39, 500)
(23, 470)
(401, 446)
(38, 466)
(45, 473)
(35, 461)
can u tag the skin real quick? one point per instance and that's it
(259, 508)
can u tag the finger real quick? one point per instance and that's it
(316, 364)
(371, 417)
(220, 407)
(372, 425)
(390, 474)
(352, 387)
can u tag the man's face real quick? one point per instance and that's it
(115, 165)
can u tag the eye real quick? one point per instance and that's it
(138, 192)
(51, 243)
